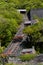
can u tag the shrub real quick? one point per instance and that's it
(1, 49)
(13, 64)
(9, 64)
(27, 57)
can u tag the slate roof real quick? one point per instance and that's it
(27, 22)
(21, 10)
(27, 50)
(36, 12)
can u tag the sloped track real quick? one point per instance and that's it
(13, 47)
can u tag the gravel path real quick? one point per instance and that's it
(35, 61)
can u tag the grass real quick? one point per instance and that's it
(22, 63)
(27, 57)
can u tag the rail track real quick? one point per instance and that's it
(13, 47)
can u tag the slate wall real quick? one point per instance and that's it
(36, 13)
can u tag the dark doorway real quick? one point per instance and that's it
(23, 12)
(29, 16)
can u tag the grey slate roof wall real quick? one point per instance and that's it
(37, 13)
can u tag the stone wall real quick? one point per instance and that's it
(36, 13)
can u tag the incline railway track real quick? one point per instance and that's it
(18, 39)
(14, 47)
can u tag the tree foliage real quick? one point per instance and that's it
(34, 31)
(27, 4)
(8, 28)
(10, 19)
(35, 35)
(1, 49)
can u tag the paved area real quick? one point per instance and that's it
(35, 61)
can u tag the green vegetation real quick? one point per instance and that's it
(21, 4)
(1, 49)
(35, 33)
(22, 64)
(27, 57)
(10, 19)
(9, 64)
(7, 30)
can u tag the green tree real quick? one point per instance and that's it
(10, 19)
(8, 28)
(34, 32)
(1, 49)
